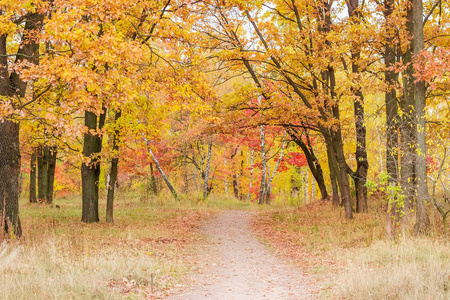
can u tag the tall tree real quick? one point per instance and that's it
(11, 88)
(422, 219)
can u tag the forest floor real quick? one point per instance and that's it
(219, 249)
(236, 265)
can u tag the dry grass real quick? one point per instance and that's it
(412, 269)
(351, 259)
(141, 256)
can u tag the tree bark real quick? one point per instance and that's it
(51, 168)
(43, 173)
(249, 196)
(362, 164)
(13, 85)
(333, 177)
(113, 173)
(422, 219)
(33, 198)
(90, 170)
(207, 169)
(262, 187)
(407, 127)
(392, 120)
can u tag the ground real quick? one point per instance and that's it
(236, 265)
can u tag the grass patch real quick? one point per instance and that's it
(146, 252)
(351, 258)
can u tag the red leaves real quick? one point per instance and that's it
(297, 159)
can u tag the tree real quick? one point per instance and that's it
(12, 90)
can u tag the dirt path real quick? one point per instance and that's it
(242, 267)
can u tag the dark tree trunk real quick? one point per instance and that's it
(332, 162)
(51, 167)
(9, 174)
(337, 147)
(113, 173)
(43, 155)
(362, 164)
(407, 128)
(313, 163)
(392, 119)
(111, 190)
(90, 171)
(13, 85)
(33, 198)
(422, 219)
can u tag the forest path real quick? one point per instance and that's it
(242, 267)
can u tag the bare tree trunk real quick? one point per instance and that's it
(51, 168)
(113, 172)
(33, 198)
(158, 166)
(422, 219)
(362, 164)
(13, 85)
(207, 169)
(407, 128)
(42, 158)
(392, 121)
(262, 187)
(90, 171)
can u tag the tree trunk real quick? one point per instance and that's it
(262, 187)
(33, 198)
(341, 170)
(113, 172)
(306, 186)
(90, 170)
(407, 128)
(10, 86)
(9, 183)
(249, 196)
(422, 219)
(207, 169)
(362, 164)
(333, 176)
(158, 166)
(51, 167)
(313, 162)
(153, 187)
(43, 173)
(392, 120)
